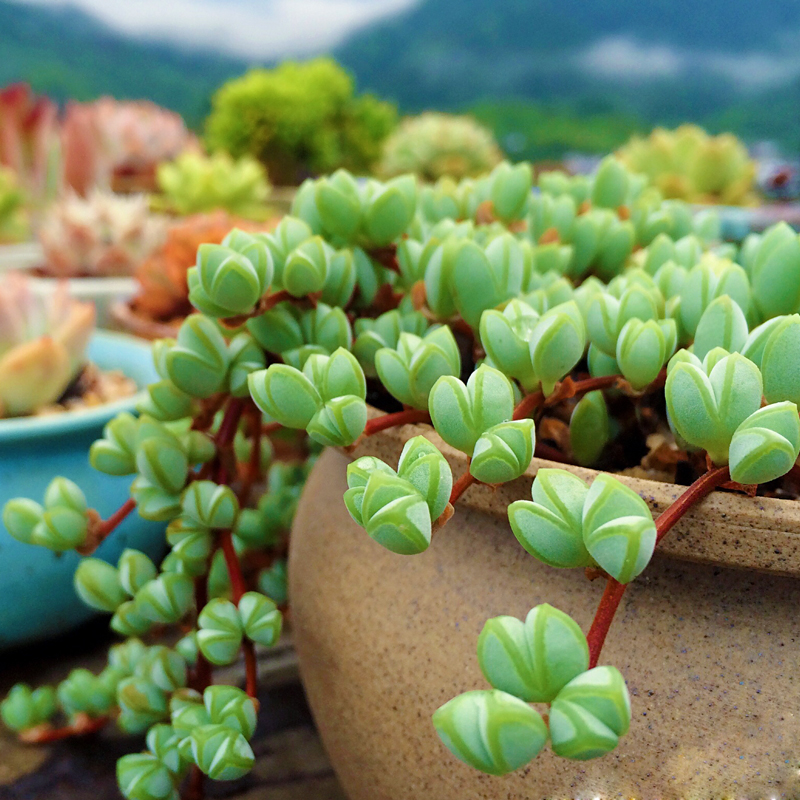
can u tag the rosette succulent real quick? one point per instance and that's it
(43, 340)
(100, 235)
(434, 145)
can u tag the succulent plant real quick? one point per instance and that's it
(475, 308)
(43, 338)
(29, 144)
(108, 141)
(195, 183)
(434, 145)
(689, 164)
(14, 223)
(102, 235)
(299, 119)
(164, 292)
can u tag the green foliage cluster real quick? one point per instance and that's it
(476, 307)
(299, 119)
(434, 145)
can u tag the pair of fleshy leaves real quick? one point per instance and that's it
(223, 624)
(213, 730)
(715, 405)
(327, 397)
(373, 213)
(294, 334)
(105, 587)
(571, 524)
(544, 659)
(59, 524)
(230, 278)
(397, 509)
(384, 331)
(476, 418)
(535, 349)
(409, 370)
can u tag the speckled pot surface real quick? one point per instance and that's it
(711, 652)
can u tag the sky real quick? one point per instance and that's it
(257, 29)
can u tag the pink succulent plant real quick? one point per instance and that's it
(101, 235)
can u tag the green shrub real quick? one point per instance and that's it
(299, 119)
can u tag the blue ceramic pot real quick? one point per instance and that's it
(37, 598)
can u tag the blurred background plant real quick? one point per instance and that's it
(195, 183)
(43, 339)
(164, 295)
(100, 235)
(688, 164)
(14, 223)
(434, 145)
(119, 144)
(299, 119)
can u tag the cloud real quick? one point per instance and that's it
(618, 57)
(257, 29)
(624, 59)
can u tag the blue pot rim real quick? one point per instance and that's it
(72, 421)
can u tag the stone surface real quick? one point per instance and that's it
(710, 656)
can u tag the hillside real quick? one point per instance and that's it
(661, 60)
(68, 54)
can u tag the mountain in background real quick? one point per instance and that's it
(662, 61)
(67, 54)
(547, 75)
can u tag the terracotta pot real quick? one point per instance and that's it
(126, 319)
(709, 649)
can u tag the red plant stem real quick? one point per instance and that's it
(592, 384)
(461, 486)
(82, 726)
(609, 603)
(239, 588)
(250, 668)
(528, 405)
(271, 427)
(234, 568)
(230, 421)
(115, 519)
(203, 671)
(408, 417)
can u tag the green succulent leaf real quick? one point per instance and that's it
(198, 363)
(534, 659)
(261, 620)
(504, 452)
(98, 585)
(221, 752)
(766, 445)
(590, 714)
(492, 731)
(286, 394)
(589, 428)
(551, 528)
(220, 631)
(462, 413)
(144, 776)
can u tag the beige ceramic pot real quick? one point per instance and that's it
(708, 640)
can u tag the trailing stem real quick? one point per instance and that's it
(609, 603)
(239, 587)
(410, 416)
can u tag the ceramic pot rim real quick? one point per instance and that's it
(54, 425)
(726, 529)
